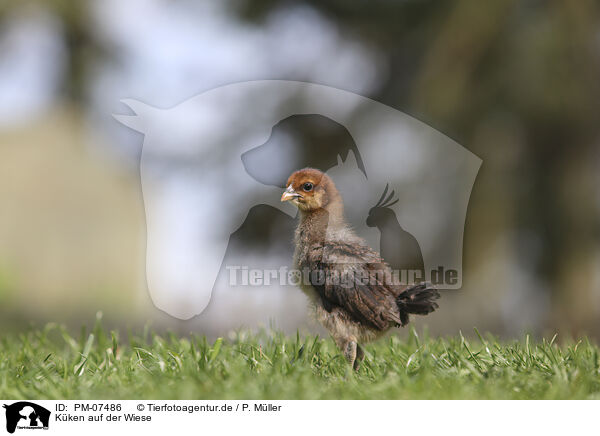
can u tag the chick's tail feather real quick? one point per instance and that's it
(418, 299)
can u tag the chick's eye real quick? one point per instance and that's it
(307, 186)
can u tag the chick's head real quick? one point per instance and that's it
(310, 190)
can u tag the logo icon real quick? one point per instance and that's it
(26, 415)
(213, 168)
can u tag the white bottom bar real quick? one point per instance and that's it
(309, 417)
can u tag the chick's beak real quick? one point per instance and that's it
(289, 194)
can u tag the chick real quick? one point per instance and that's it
(349, 284)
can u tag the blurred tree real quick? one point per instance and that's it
(82, 46)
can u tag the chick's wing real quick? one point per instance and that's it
(351, 277)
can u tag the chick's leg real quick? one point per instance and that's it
(349, 351)
(360, 355)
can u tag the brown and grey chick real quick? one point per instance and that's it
(349, 284)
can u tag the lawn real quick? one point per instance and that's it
(49, 363)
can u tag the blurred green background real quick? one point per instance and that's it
(515, 82)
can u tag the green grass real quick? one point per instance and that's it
(49, 363)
